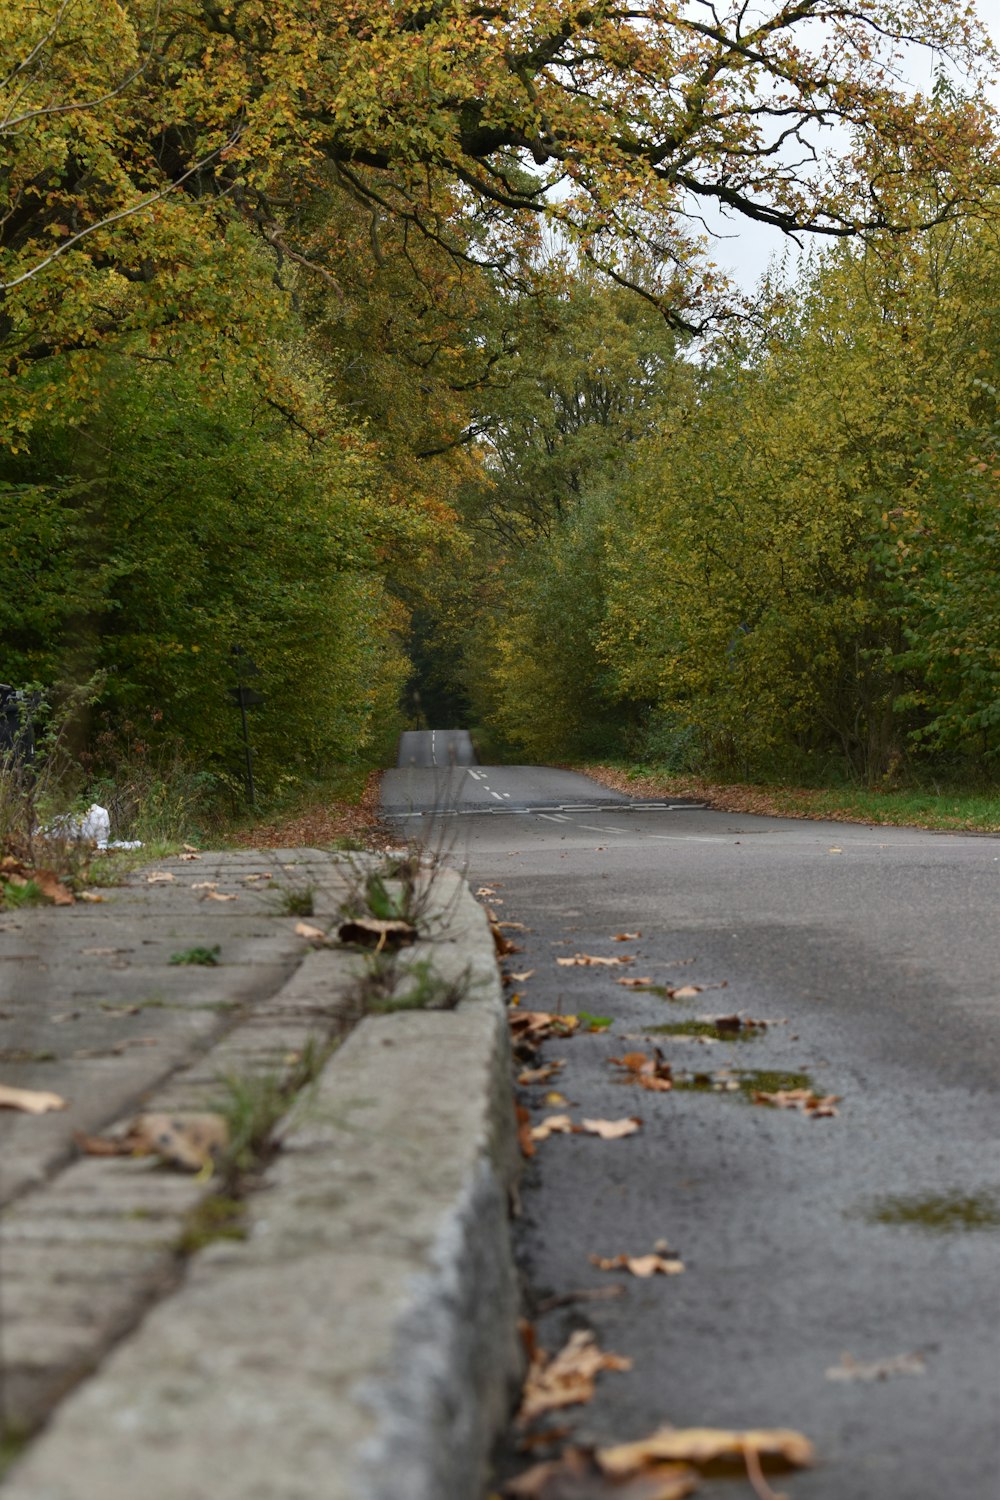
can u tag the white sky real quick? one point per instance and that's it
(749, 248)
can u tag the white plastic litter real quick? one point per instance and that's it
(94, 827)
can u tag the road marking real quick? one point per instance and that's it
(551, 818)
(478, 775)
(496, 795)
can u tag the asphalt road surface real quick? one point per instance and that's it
(436, 748)
(874, 953)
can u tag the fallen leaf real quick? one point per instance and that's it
(524, 1140)
(634, 983)
(594, 1023)
(520, 978)
(102, 1145)
(191, 1141)
(219, 896)
(554, 1099)
(648, 1072)
(539, 1075)
(91, 896)
(611, 1130)
(51, 886)
(204, 885)
(159, 877)
(642, 1266)
(568, 1378)
(575, 1476)
(373, 932)
(102, 952)
(29, 1101)
(515, 926)
(877, 1369)
(536, 1025)
(706, 1445)
(313, 934)
(503, 945)
(486, 890)
(801, 1099)
(188, 856)
(553, 1125)
(626, 937)
(260, 875)
(834, 850)
(588, 960)
(685, 992)
(190, 848)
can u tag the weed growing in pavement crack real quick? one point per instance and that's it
(298, 901)
(206, 956)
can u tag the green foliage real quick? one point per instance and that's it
(188, 528)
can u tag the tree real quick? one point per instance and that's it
(138, 134)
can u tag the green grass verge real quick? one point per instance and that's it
(947, 808)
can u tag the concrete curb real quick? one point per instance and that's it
(360, 1344)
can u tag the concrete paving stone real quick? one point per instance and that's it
(360, 1343)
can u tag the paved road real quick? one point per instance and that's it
(873, 1234)
(436, 747)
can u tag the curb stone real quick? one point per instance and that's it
(360, 1344)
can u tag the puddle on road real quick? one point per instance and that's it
(742, 1081)
(937, 1213)
(705, 1028)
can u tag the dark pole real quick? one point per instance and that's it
(251, 791)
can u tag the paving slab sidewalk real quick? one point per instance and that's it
(359, 1343)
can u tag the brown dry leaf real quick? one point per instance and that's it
(575, 1476)
(514, 926)
(568, 1378)
(373, 932)
(642, 1266)
(219, 896)
(503, 945)
(539, 1075)
(204, 885)
(553, 1125)
(91, 896)
(51, 886)
(102, 1145)
(611, 1130)
(486, 890)
(634, 983)
(685, 992)
(588, 960)
(190, 848)
(820, 1108)
(313, 934)
(536, 1025)
(188, 856)
(648, 1072)
(191, 1141)
(626, 937)
(877, 1369)
(260, 875)
(29, 1101)
(520, 978)
(553, 1098)
(160, 877)
(524, 1140)
(706, 1445)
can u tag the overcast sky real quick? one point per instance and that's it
(749, 248)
